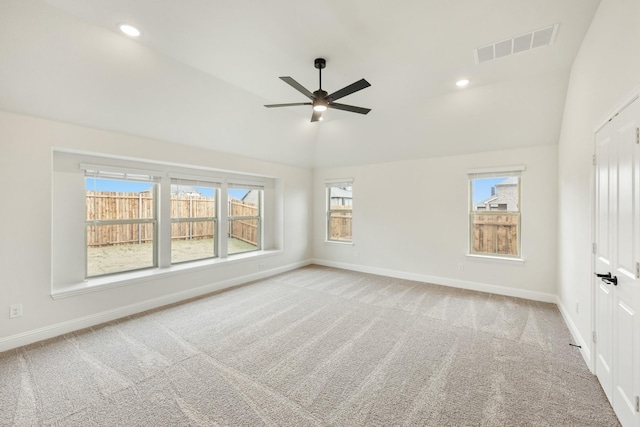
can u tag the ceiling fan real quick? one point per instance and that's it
(320, 99)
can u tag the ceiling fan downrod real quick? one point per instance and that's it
(320, 63)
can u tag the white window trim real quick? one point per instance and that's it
(329, 183)
(494, 172)
(496, 258)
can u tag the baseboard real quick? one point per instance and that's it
(445, 281)
(51, 331)
(577, 336)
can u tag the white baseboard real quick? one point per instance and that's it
(577, 336)
(445, 281)
(35, 335)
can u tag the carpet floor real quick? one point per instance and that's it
(316, 346)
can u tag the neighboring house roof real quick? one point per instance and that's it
(179, 189)
(183, 189)
(341, 193)
(251, 197)
(512, 180)
(485, 201)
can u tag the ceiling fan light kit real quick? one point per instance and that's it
(322, 100)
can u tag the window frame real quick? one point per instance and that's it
(257, 217)
(487, 173)
(216, 186)
(122, 176)
(329, 184)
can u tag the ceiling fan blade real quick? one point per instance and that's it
(316, 116)
(350, 108)
(294, 104)
(297, 86)
(353, 87)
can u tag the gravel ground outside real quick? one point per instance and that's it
(111, 259)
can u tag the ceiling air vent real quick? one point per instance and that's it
(542, 37)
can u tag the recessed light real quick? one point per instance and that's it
(462, 83)
(321, 118)
(130, 30)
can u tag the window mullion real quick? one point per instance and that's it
(164, 224)
(224, 221)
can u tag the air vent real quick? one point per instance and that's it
(521, 43)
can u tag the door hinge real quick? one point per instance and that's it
(637, 135)
(637, 270)
(637, 403)
(594, 160)
(593, 248)
(593, 336)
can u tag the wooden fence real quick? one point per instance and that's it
(341, 222)
(495, 233)
(243, 229)
(107, 205)
(102, 205)
(192, 207)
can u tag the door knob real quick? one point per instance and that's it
(608, 278)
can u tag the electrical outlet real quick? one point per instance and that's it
(262, 266)
(577, 307)
(460, 266)
(15, 310)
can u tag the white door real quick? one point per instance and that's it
(617, 261)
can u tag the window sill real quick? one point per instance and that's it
(125, 279)
(339, 243)
(496, 258)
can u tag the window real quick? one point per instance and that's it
(245, 218)
(120, 222)
(194, 220)
(339, 211)
(494, 217)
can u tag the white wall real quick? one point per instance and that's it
(605, 70)
(410, 219)
(26, 147)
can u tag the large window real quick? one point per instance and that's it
(494, 217)
(194, 220)
(120, 222)
(339, 211)
(245, 218)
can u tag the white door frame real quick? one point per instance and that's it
(626, 101)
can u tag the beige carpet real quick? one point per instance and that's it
(313, 347)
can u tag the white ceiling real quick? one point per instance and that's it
(202, 70)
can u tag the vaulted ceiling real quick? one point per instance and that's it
(202, 70)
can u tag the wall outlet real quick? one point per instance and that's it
(460, 266)
(15, 310)
(262, 266)
(577, 307)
